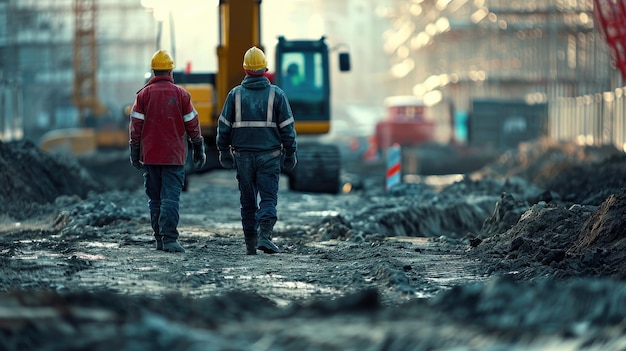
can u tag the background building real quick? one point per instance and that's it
(36, 53)
(448, 52)
(454, 52)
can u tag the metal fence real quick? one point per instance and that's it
(11, 127)
(593, 119)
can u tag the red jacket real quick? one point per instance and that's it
(161, 121)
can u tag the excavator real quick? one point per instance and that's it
(319, 165)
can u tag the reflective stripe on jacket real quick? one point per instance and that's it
(256, 117)
(162, 120)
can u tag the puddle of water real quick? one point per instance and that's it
(102, 245)
(31, 241)
(26, 257)
(36, 255)
(241, 277)
(86, 256)
(146, 268)
(198, 272)
(320, 213)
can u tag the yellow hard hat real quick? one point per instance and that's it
(162, 61)
(254, 60)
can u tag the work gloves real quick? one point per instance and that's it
(289, 161)
(134, 157)
(199, 156)
(227, 160)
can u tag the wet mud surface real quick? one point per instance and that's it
(526, 254)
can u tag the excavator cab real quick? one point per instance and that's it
(303, 72)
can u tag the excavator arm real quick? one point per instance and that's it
(239, 29)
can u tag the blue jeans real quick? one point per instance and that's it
(164, 185)
(258, 174)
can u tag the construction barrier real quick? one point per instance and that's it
(393, 166)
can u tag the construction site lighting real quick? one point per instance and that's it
(415, 9)
(403, 52)
(419, 90)
(444, 80)
(479, 14)
(479, 3)
(609, 96)
(432, 98)
(432, 82)
(584, 18)
(395, 39)
(431, 29)
(420, 40)
(536, 98)
(455, 5)
(442, 4)
(443, 24)
(403, 68)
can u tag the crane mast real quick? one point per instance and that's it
(85, 87)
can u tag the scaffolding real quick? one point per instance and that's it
(453, 52)
(36, 49)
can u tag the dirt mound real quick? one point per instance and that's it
(50, 289)
(542, 161)
(592, 183)
(560, 241)
(501, 314)
(30, 177)
(604, 231)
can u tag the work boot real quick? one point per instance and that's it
(159, 241)
(251, 241)
(172, 246)
(265, 243)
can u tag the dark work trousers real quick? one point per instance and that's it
(163, 186)
(258, 174)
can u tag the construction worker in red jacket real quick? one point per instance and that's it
(256, 135)
(162, 120)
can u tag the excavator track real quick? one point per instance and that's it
(318, 169)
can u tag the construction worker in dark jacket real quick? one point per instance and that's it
(256, 135)
(162, 120)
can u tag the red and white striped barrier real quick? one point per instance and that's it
(393, 166)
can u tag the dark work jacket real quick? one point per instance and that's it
(256, 117)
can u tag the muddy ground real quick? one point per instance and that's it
(525, 254)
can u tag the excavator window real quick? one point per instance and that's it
(303, 76)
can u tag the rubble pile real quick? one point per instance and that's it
(30, 177)
(560, 238)
(545, 209)
(531, 257)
